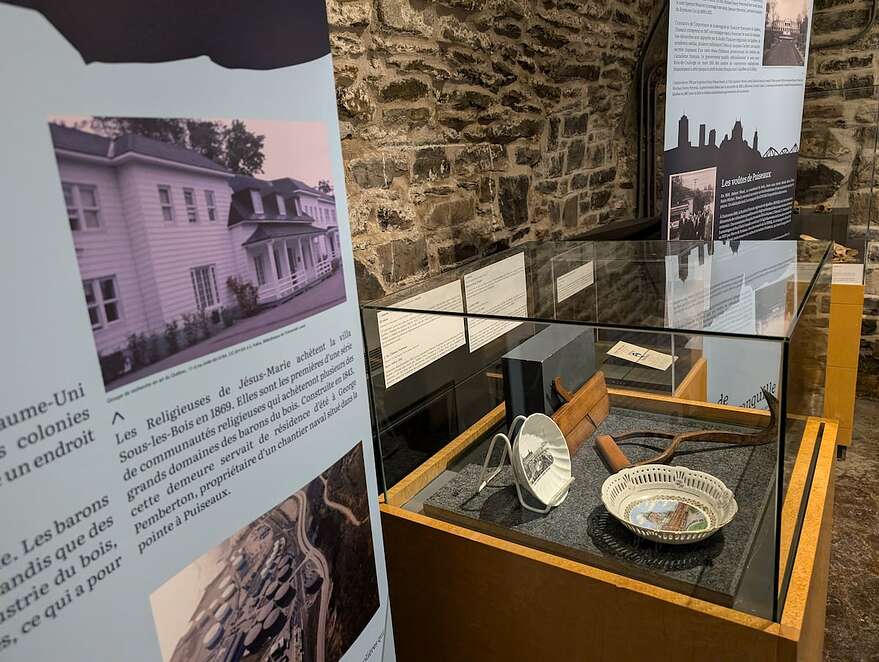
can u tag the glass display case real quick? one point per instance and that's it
(535, 394)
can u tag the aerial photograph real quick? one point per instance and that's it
(296, 584)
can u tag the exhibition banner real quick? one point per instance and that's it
(186, 464)
(735, 80)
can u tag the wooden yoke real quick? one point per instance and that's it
(582, 411)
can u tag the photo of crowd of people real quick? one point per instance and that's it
(691, 212)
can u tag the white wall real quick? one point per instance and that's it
(106, 251)
(176, 247)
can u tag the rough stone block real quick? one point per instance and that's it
(475, 159)
(596, 154)
(402, 258)
(548, 92)
(390, 218)
(406, 118)
(835, 64)
(457, 252)
(570, 212)
(576, 153)
(600, 177)
(369, 287)
(507, 29)
(816, 182)
(519, 102)
(487, 189)
(821, 144)
(834, 21)
(564, 71)
(548, 36)
(513, 199)
(354, 104)
(431, 163)
(377, 172)
(600, 199)
(580, 181)
(527, 155)
(400, 16)
(450, 212)
(863, 206)
(858, 87)
(504, 132)
(466, 99)
(347, 15)
(404, 89)
(552, 139)
(576, 125)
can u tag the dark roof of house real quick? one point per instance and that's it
(286, 186)
(132, 142)
(89, 143)
(267, 231)
(289, 185)
(63, 137)
(244, 182)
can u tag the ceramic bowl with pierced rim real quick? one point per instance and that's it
(667, 504)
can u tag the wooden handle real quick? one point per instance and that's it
(581, 432)
(613, 457)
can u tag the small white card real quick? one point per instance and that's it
(410, 341)
(641, 355)
(848, 274)
(498, 289)
(567, 285)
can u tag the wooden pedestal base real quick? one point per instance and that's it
(458, 595)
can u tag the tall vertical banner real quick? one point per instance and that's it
(736, 74)
(186, 465)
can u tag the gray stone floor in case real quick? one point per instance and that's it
(581, 529)
(852, 630)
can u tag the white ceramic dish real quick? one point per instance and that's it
(541, 460)
(668, 504)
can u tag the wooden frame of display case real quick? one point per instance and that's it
(843, 353)
(458, 594)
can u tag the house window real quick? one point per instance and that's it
(102, 299)
(333, 216)
(282, 207)
(83, 210)
(256, 199)
(204, 285)
(165, 201)
(211, 204)
(260, 269)
(189, 201)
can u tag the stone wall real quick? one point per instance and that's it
(472, 125)
(838, 143)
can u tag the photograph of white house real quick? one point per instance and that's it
(185, 246)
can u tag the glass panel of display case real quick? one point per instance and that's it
(836, 175)
(638, 406)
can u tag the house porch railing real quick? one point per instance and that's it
(290, 284)
(324, 267)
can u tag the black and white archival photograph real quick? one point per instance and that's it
(193, 235)
(691, 209)
(298, 583)
(785, 33)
